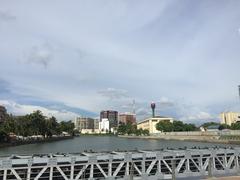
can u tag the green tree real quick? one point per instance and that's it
(38, 122)
(178, 126)
(23, 126)
(66, 126)
(224, 126)
(130, 129)
(139, 132)
(3, 136)
(145, 132)
(52, 126)
(235, 126)
(205, 125)
(190, 127)
(122, 129)
(164, 126)
(9, 125)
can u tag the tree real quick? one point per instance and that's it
(24, 126)
(122, 129)
(167, 126)
(205, 125)
(3, 136)
(139, 132)
(34, 124)
(9, 125)
(131, 129)
(145, 132)
(190, 127)
(178, 126)
(164, 126)
(66, 126)
(52, 126)
(38, 122)
(224, 126)
(235, 126)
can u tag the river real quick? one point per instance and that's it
(100, 143)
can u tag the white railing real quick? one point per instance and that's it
(162, 164)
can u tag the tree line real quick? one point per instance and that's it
(234, 126)
(167, 126)
(34, 124)
(131, 129)
(176, 126)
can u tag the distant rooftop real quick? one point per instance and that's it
(154, 117)
(213, 127)
(159, 117)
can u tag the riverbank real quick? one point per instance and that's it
(205, 139)
(19, 143)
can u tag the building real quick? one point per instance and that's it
(229, 117)
(3, 114)
(104, 125)
(213, 128)
(96, 124)
(112, 116)
(150, 123)
(125, 118)
(84, 123)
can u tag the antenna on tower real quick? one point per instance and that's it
(133, 106)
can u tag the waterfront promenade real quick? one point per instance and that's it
(222, 137)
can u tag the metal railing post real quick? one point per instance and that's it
(131, 171)
(173, 169)
(210, 165)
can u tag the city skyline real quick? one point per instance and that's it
(79, 58)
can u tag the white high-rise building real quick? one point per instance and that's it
(104, 125)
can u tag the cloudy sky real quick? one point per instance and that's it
(78, 57)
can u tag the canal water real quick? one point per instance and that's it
(101, 143)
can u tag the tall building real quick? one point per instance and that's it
(84, 123)
(229, 117)
(96, 124)
(3, 114)
(112, 116)
(150, 123)
(125, 118)
(104, 125)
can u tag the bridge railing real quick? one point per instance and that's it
(162, 164)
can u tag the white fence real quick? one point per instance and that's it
(162, 164)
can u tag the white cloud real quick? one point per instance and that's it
(132, 46)
(113, 93)
(6, 16)
(21, 109)
(41, 55)
(199, 117)
(164, 102)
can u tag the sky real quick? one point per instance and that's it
(76, 58)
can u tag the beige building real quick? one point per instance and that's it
(125, 118)
(150, 123)
(229, 117)
(90, 131)
(84, 123)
